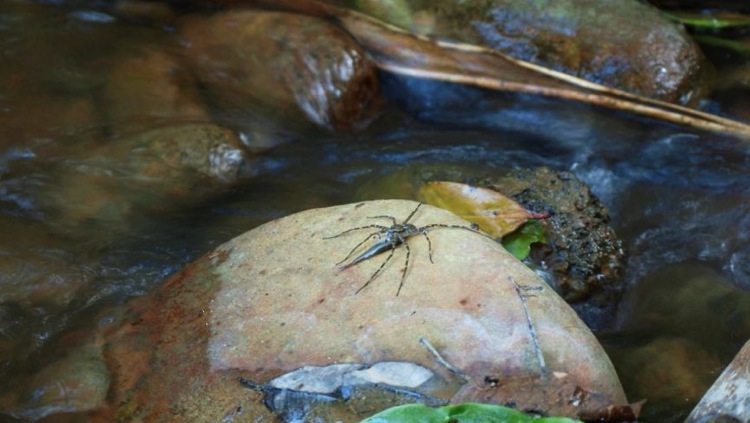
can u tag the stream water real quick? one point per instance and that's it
(679, 200)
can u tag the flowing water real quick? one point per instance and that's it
(679, 200)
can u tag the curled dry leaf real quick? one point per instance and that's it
(495, 213)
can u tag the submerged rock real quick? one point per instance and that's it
(669, 372)
(293, 68)
(153, 171)
(78, 382)
(728, 400)
(699, 315)
(149, 88)
(36, 271)
(679, 298)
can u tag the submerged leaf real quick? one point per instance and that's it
(461, 413)
(519, 242)
(495, 213)
(715, 20)
(740, 46)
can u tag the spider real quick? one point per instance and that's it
(390, 238)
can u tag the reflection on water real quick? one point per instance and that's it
(681, 202)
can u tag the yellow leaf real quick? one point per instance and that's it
(495, 213)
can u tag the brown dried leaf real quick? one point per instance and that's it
(495, 213)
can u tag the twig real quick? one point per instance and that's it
(456, 371)
(532, 329)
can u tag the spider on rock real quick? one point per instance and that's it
(390, 238)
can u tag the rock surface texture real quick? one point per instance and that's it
(296, 68)
(273, 300)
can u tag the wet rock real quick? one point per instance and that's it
(670, 373)
(273, 301)
(728, 400)
(49, 82)
(154, 171)
(583, 253)
(36, 282)
(292, 68)
(75, 383)
(24, 107)
(34, 278)
(623, 44)
(14, 328)
(148, 89)
(64, 116)
(35, 269)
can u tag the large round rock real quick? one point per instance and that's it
(274, 300)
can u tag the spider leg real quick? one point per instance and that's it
(374, 234)
(466, 228)
(381, 227)
(406, 267)
(412, 213)
(374, 275)
(429, 243)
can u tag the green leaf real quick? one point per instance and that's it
(519, 242)
(715, 20)
(461, 413)
(412, 413)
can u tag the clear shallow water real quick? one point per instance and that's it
(680, 201)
